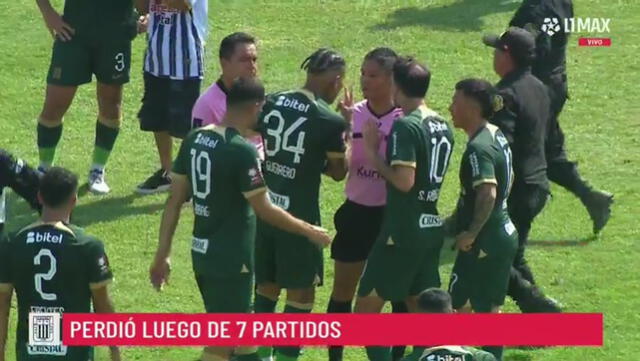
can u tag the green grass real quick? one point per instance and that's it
(601, 122)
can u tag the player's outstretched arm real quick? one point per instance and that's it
(5, 307)
(160, 268)
(279, 218)
(56, 25)
(102, 304)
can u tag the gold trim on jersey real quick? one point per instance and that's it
(254, 192)
(403, 163)
(335, 155)
(98, 285)
(492, 129)
(58, 225)
(6, 287)
(308, 94)
(485, 181)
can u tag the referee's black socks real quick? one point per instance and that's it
(336, 352)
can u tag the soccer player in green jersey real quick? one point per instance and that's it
(405, 258)
(221, 170)
(435, 300)
(91, 38)
(486, 239)
(303, 138)
(54, 267)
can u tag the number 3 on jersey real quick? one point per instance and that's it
(278, 140)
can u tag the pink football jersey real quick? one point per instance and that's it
(211, 107)
(365, 185)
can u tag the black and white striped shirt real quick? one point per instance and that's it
(175, 47)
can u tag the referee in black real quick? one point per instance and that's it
(523, 120)
(550, 67)
(17, 175)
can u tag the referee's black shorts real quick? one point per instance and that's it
(167, 105)
(357, 228)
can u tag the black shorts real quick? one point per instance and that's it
(357, 228)
(167, 105)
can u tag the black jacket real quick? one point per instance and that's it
(550, 49)
(523, 120)
(17, 175)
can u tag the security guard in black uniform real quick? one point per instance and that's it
(523, 120)
(17, 175)
(550, 67)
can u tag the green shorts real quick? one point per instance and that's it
(399, 269)
(74, 62)
(481, 276)
(286, 259)
(228, 294)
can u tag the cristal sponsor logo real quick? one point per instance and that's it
(200, 245)
(294, 104)
(429, 221)
(46, 237)
(279, 200)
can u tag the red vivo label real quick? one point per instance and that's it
(594, 42)
(331, 329)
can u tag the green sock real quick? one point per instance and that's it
(48, 139)
(496, 351)
(249, 357)
(379, 353)
(290, 353)
(105, 139)
(262, 304)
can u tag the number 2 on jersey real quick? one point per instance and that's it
(280, 141)
(38, 278)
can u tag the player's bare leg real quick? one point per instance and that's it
(266, 299)
(164, 143)
(107, 129)
(345, 281)
(216, 354)
(298, 301)
(372, 303)
(57, 101)
(496, 351)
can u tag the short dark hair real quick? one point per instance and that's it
(228, 44)
(57, 186)
(411, 77)
(434, 300)
(385, 57)
(323, 60)
(244, 90)
(483, 93)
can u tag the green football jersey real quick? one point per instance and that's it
(300, 132)
(91, 18)
(487, 159)
(424, 141)
(223, 170)
(52, 267)
(455, 353)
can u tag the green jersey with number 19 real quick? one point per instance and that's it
(300, 132)
(223, 170)
(421, 140)
(53, 267)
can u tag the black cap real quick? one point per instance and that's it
(518, 42)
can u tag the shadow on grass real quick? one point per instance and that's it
(462, 15)
(102, 210)
(563, 243)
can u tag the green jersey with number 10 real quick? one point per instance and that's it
(300, 132)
